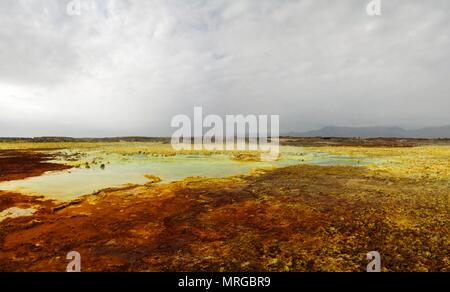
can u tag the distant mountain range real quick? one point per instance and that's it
(376, 132)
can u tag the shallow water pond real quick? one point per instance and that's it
(122, 169)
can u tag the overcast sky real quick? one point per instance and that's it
(126, 67)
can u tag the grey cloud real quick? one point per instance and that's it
(126, 67)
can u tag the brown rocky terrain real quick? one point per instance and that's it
(299, 218)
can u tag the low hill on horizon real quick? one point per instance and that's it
(376, 132)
